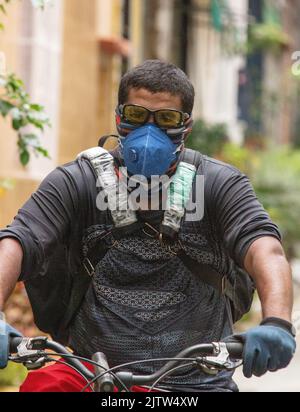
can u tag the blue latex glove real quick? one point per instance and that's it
(267, 348)
(6, 331)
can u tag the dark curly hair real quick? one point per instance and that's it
(157, 76)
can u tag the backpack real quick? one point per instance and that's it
(57, 292)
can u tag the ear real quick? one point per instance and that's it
(123, 128)
(118, 119)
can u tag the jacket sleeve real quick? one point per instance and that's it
(45, 220)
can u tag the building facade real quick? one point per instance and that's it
(61, 54)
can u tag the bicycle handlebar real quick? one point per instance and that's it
(234, 349)
(44, 343)
(104, 381)
(13, 344)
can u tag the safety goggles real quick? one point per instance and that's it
(163, 118)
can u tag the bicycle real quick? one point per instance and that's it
(210, 358)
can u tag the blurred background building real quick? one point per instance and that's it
(71, 58)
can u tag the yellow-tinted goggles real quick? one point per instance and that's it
(163, 118)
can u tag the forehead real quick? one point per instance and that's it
(154, 101)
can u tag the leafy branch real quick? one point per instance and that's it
(15, 103)
(3, 4)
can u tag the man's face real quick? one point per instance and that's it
(154, 101)
(151, 151)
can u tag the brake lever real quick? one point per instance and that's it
(222, 360)
(30, 349)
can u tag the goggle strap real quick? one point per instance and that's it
(174, 132)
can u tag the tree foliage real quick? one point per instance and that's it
(27, 118)
(275, 175)
(208, 138)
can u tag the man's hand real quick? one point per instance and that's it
(267, 348)
(6, 331)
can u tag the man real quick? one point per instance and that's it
(144, 302)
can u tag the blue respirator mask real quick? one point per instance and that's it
(148, 151)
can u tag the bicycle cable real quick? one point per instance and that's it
(168, 373)
(93, 363)
(64, 355)
(72, 367)
(134, 363)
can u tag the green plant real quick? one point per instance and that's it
(209, 139)
(26, 117)
(3, 5)
(13, 375)
(277, 184)
(275, 175)
(267, 36)
(241, 157)
(15, 103)
(5, 184)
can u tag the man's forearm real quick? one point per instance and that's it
(11, 255)
(267, 264)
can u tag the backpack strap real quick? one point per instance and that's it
(235, 306)
(80, 285)
(205, 272)
(107, 140)
(209, 276)
(194, 158)
(179, 192)
(104, 168)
